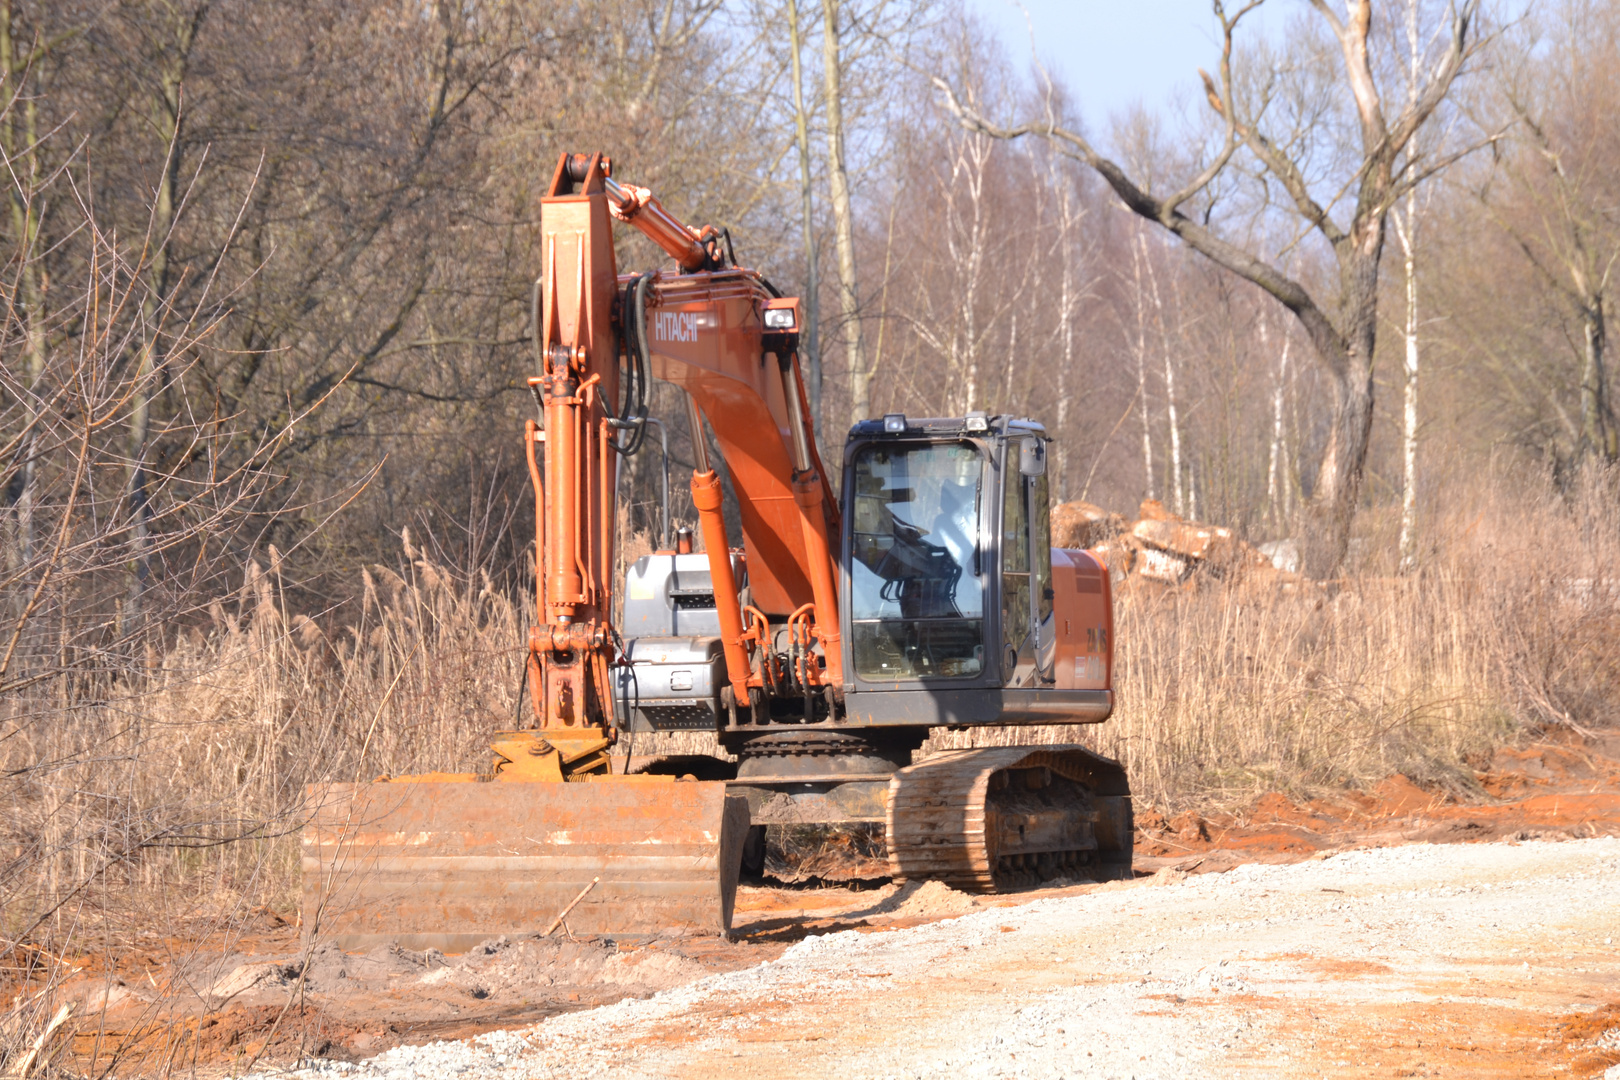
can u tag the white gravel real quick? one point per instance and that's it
(1259, 969)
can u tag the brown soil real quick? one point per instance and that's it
(1561, 787)
(208, 1003)
(1440, 1039)
(211, 1005)
(1584, 1033)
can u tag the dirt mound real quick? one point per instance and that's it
(223, 1007)
(501, 967)
(925, 900)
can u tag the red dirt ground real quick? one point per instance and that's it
(158, 1024)
(1563, 787)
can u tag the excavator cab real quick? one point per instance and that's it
(950, 598)
(949, 554)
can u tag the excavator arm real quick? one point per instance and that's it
(729, 340)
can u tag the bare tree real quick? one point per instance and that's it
(76, 412)
(1561, 210)
(171, 34)
(809, 350)
(973, 269)
(1072, 290)
(24, 51)
(1342, 326)
(849, 301)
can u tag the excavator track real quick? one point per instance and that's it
(997, 819)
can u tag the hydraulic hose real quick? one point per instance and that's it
(638, 365)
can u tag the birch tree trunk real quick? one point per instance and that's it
(1174, 420)
(1069, 288)
(1278, 477)
(843, 219)
(809, 351)
(1187, 474)
(966, 243)
(1066, 306)
(1010, 366)
(1141, 371)
(1171, 414)
(1406, 232)
(1067, 359)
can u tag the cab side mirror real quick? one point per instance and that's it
(1031, 457)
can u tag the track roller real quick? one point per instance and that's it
(998, 819)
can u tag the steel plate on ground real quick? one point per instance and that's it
(447, 865)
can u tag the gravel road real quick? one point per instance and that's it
(1470, 959)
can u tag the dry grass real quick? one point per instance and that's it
(178, 788)
(1227, 691)
(172, 797)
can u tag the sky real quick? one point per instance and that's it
(1113, 53)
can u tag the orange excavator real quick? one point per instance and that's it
(821, 651)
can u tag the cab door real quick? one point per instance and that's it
(1028, 647)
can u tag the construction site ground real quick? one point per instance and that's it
(1399, 931)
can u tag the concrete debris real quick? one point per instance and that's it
(245, 978)
(1164, 548)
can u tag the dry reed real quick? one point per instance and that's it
(1227, 690)
(179, 788)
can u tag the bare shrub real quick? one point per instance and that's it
(119, 522)
(173, 802)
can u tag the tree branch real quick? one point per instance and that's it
(1290, 293)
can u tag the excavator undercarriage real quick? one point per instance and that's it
(821, 651)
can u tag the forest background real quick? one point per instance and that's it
(265, 334)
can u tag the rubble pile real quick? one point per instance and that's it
(1161, 547)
